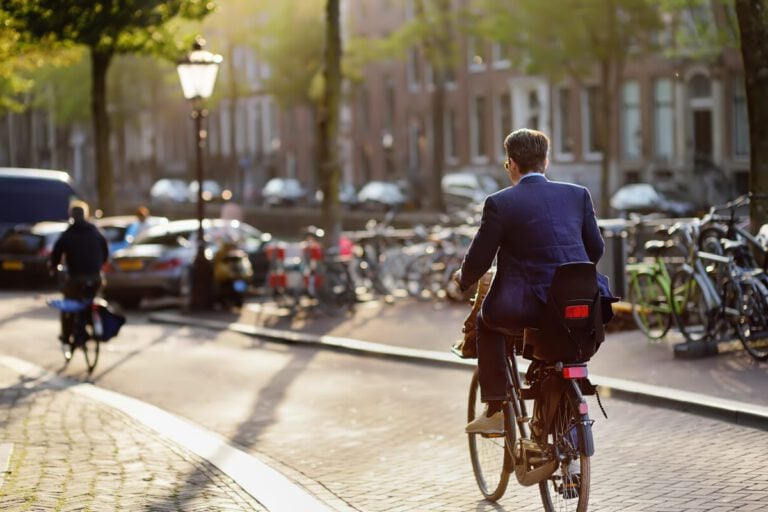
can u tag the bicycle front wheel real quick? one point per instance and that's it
(650, 308)
(752, 321)
(568, 488)
(91, 350)
(490, 460)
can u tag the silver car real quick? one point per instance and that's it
(160, 260)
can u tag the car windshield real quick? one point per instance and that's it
(161, 235)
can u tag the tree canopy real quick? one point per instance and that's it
(106, 28)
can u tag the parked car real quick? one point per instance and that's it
(381, 195)
(169, 190)
(28, 196)
(25, 251)
(283, 192)
(160, 260)
(461, 189)
(114, 229)
(645, 199)
(212, 191)
(347, 195)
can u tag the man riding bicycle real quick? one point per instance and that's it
(531, 228)
(84, 250)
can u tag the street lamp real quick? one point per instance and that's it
(197, 73)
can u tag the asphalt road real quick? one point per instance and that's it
(382, 435)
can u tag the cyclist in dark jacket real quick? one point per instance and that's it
(84, 250)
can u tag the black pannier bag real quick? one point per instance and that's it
(572, 324)
(106, 321)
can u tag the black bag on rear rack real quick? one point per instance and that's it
(572, 324)
(106, 321)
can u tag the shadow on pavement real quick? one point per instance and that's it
(262, 415)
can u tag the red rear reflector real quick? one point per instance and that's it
(574, 372)
(583, 408)
(574, 312)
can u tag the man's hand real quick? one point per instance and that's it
(457, 277)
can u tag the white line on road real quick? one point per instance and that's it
(270, 488)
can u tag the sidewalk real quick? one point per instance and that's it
(729, 385)
(62, 451)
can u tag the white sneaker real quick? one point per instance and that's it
(485, 425)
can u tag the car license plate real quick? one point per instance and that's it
(130, 265)
(13, 265)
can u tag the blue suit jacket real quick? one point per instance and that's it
(533, 228)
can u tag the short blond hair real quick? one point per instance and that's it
(79, 210)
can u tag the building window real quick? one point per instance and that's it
(504, 119)
(740, 120)
(501, 55)
(414, 69)
(663, 120)
(451, 149)
(631, 130)
(563, 130)
(479, 137)
(475, 54)
(534, 109)
(593, 144)
(389, 95)
(414, 145)
(364, 115)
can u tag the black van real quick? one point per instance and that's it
(28, 196)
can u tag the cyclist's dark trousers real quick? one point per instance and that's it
(491, 353)
(80, 287)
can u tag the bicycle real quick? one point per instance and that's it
(552, 448)
(660, 298)
(87, 331)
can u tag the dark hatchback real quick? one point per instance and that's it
(25, 251)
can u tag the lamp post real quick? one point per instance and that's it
(197, 73)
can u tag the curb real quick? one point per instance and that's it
(270, 488)
(740, 413)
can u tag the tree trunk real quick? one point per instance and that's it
(328, 119)
(100, 61)
(438, 139)
(436, 43)
(606, 140)
(753, 25)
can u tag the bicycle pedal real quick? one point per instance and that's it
(488, 436)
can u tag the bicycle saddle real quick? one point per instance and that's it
(655, 247)
(732, 245)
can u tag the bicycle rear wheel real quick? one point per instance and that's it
(691, 310)
(568, 488)
(490, 460)
(650, 308)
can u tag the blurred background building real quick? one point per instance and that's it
(681, 119)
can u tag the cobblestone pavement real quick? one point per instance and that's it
(387, 437)
(72, 453)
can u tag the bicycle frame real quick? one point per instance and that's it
(532, 464)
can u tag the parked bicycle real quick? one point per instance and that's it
(661, 297)
(552, 447)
